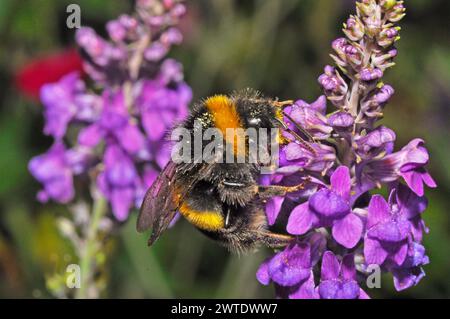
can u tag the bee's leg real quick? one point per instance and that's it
(283, 104)
(266, 192)
(273, 240)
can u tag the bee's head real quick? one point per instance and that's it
(257, 111)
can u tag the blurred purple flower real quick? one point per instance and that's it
(124, 125)
(114, 122)
(53, 170)
(66, 101)
(119, 181)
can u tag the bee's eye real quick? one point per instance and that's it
(254, 121)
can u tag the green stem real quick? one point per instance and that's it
(89, 248)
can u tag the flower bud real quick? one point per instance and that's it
(334, 86)
(354, 28)
(396, 13)
(383, 60)
(388, 4)
(370, 74)
(388, 36)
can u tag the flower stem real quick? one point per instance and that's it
(88, 250)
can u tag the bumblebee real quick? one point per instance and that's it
(223, 200)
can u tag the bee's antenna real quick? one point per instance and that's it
(300, 139)
(301, 129)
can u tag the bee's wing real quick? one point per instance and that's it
(163, 199)
(159, 199)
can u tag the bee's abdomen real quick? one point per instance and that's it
(205, 220)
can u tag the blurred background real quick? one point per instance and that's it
(277, 46)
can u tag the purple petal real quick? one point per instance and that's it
(329, 204)
(320, 105)
(363, 294)
(407, 278)
(341, 182)
(341, 120)
(418, 227)
(349, 290)
(409, 203)
(329, 289)
(131, 138)
(91, 135)
(348, 270)
(154, 127)
(414, 181)
(273, 208)
(348, 230)
(301, 220)
(400, 256)
(416, 154)
(293, 151)
(61, 189)
(291, 266)
(393, 232)
(428, 180)
(263, 272)
(379, 211)
(306, 290)
(374, 253)
(330, 266)
(121, 202)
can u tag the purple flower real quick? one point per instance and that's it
(53, 170)
(310, 117)
(347, 53)
(412, 169)
(123, 28)
(362, 155)
(119, 181)
(287, 268)
(115, 122)
(411, 206)
(376, 142)
(291, 269)
(338, 279)
(387, 234)
(65, 101)
(341, 120)
(334, 86)
(411, 272)
(409, 163)
(162, 106)
(354, 28)
(370, 74)
(297, 156)
(275, 204)
(373, 105)
(329, 207)
(100, 51)
(391, 227)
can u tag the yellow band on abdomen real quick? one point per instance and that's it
(206, 220)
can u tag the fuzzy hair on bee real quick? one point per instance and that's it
(222, 199)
